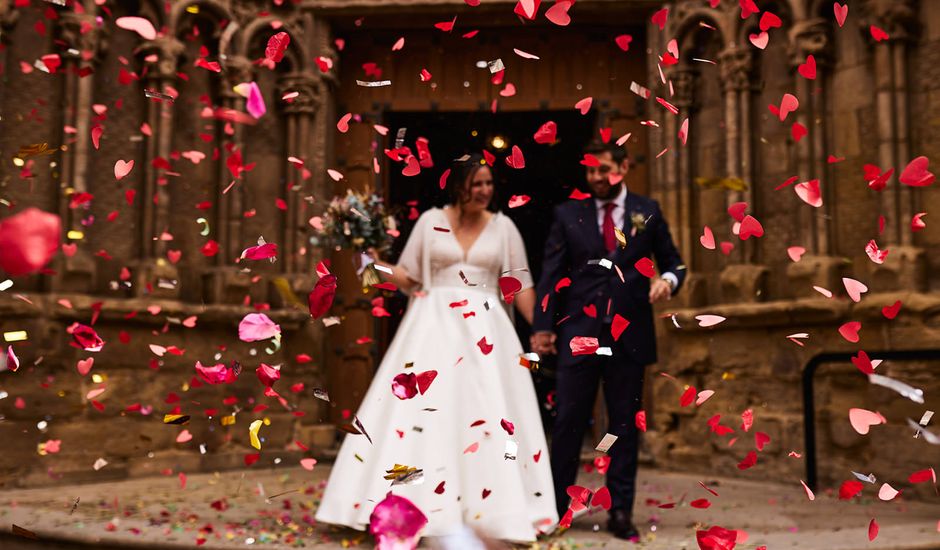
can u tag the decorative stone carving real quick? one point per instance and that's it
(810, 37)
(736, 66)
(82, 34)
(308, 86)
(684, 80)
(8, 18)
(167, 51)
(236, 70)
(896, 17)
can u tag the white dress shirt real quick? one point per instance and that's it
(619, 213)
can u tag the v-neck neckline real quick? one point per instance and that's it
(468, 250)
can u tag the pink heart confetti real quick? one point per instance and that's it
(890, 312)
(760, 440)
(706, 321)
(558, 13)
(583, 345)
(84, 365)
(769, 21)
(854, 288)
(122, 169)
(841, 12)
(849, 331)
(887, 492)
(796, 252)
(659, 18)
(878, 34)
(343, 124)
(645, 266)
(809, 192)
(916, 173)
(546, 133)
(412, 167)
(862, 420)
(584, 105)
(808, 69)
(707, 239)
(759, 40)
(750, 227)
(623, 41)
(141, 26)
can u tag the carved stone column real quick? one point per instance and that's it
(905, 267)
(299, 115)
(818, 267)
(85, 42)
(743, 280)
(737, 66)
(684, 79)
(685, 212)
(225, 282)
(153, 274)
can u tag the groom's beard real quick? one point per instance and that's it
(606, 192)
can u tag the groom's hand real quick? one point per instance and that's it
(543, 343)
(660, 289)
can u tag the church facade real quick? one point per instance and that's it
(700, 94)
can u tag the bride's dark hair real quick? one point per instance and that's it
(461, 174)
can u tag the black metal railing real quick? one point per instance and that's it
(809, 406)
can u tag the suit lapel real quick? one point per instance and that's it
(590, 229)
(630, 206)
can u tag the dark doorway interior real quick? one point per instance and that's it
(551, 172)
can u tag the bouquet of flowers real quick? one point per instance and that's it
(358, 222)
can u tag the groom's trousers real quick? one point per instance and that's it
(575, 394)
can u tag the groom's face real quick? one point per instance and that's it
(605, 180)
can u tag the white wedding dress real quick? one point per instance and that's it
(453, 431)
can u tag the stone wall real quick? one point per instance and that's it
(141, 266)
(855, 112)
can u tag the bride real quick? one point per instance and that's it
(473, 431)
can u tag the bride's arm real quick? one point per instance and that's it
(525, 304)
(399, 276)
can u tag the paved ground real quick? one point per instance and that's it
(274, 509)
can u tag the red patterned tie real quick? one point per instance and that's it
(610, 239)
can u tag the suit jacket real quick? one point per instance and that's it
(573, 241)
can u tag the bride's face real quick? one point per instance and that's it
(479, 191)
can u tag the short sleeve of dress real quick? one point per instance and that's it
(412, 255)
(517, 261)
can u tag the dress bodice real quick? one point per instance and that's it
(434, 257)
(480, 264)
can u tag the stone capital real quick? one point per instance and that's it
(810, 37)
(308, 85)
(737, 66)
(898, 18)
(161, 57)
(684, 80)
(8, 18)
(84, 38)
(236, 69)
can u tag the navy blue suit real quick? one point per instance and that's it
(572, 250)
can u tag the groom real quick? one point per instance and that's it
(580, 294)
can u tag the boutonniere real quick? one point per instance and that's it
(637, 222)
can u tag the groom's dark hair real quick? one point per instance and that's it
(617, 152)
